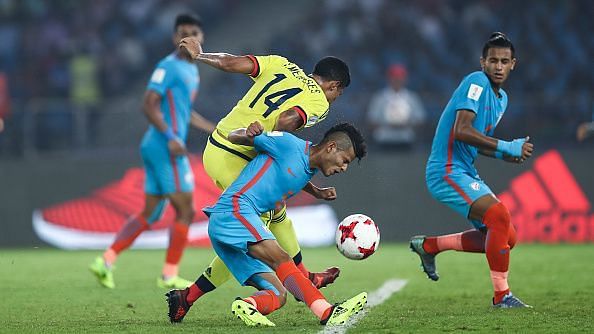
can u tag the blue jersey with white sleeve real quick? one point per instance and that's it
(279, 171)
(475, 94)
(177, 81)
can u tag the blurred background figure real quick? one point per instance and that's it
(585, 130)
(395, 112)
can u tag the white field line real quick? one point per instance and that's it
(374, 298)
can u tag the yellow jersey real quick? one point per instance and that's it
(279, 85)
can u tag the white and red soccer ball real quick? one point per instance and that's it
(357, 237)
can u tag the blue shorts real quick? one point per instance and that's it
(458, 190)
(165, 174)
(230, 234)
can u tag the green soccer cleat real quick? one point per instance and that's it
(247, 313)
(102, 272)
(175, 282)
(427, 260)
(343, 311)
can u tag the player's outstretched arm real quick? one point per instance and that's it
(245, 136)
(222, 61)
(326, 193)
(199, 122)
(465, 132)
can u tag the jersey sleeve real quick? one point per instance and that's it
(470, 92)
(275, 143)
(161, 79)
(264, 64)
(313, 112)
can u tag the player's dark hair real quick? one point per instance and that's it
(498, 40)
(333, 69)
(187, 19)
(346, 135)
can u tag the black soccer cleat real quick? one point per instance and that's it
(427, 260)
(178, 305)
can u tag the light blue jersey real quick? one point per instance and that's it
(475, 94)
(450, 174)
(176, 81)
(279, 171)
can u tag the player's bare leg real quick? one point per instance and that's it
(282, 228)
(178, 237)
(102, 267)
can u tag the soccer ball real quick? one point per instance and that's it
(357, 237)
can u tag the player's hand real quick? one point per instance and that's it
(526, 152)
(191, 45)
(254, 129)
(527, 149)
(327, 194)
(176, 147)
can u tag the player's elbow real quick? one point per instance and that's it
(461, 132)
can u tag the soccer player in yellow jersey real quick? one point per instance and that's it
(282, 98)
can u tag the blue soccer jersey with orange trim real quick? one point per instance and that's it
(279, 171)
(475, 94)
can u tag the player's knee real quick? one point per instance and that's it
(281, 257)
(498, 216)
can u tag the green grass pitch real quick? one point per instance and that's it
(47, 290)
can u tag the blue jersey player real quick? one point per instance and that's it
(466, 128)
(283, 167)
(168, 176)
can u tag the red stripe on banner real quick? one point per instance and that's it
(561, 184)
(242, 191)
(458, 189)
(530, 194)
(301, 113)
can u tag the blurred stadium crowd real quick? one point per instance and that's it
(84, 53)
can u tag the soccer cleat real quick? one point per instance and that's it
(511, 301)
(178, 305)
(102, 272)
(325, 278)
(247, 313)
(174, 282)
(427, 260)
(343, 311)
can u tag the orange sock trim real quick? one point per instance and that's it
(128, 233)
(264, 301)
(497, 219)
(302, 288)
(303, 270)
(178, 238)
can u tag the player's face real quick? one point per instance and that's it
(498, 64)
(336, 161)
(187, 30)
(333, 91)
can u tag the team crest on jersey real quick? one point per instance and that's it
(474, 92)
(312, 120)
(475, 186)
(158, 75)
